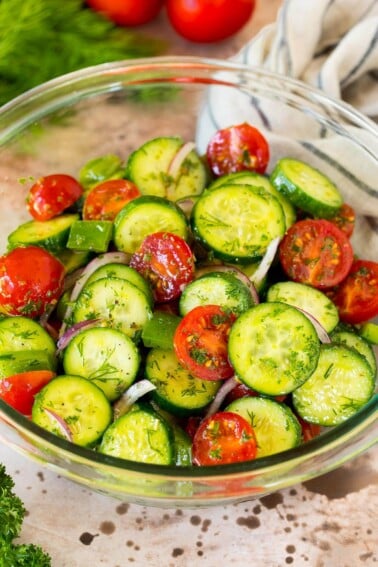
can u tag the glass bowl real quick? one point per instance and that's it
(113, 108)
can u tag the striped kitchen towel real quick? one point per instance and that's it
(333, 46)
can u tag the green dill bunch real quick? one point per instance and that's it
(42, 39)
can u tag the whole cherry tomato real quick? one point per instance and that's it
(51, 195)
(127, 12)
(206, 21)
(106, 199)
(19, 390)
(31, 279)
(222, 438)
(167, 262)
(238, 148)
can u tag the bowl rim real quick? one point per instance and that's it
(331, 439)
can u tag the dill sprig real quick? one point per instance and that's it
(42, 39)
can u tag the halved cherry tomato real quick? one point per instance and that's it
(316, 252)
(127, 12)
(222, 438)
(209, 20)
(345, 219)
(200, 342)
(31, 279)
(356, 297)
(51, 195)
(238, 148)
(243, 391)
(309, 430)
(167, 262)
(106, 199)
(19, 390)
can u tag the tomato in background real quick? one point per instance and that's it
(237, 148)
(224, 437)
(345, 219)
(19, 390)
(51, 195)
(31, 280)
(167, 263)
(206, 21)
(356, 298)
(106, 199)
(127, 12)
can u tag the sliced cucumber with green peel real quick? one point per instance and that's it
(237, 222)
(51, 234)
(73, 408)
(143, 216)
(273, 348)
(24, 360)
(341, 385)
(216, 288)
(106, 357)
(369, 332)
(114, 270)
(140, 435)
(177, 390)
(275, 425)
(116, 302)
(306, 187)
(24, 334)
(257, 180)
(353, 340)
(315, 302)
(150, 167)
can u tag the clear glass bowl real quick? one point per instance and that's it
(113, 108)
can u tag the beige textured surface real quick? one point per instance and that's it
(329, 522)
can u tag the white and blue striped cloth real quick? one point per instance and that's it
(332, 45)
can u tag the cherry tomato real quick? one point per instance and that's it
(345, 219)
(19, 390)
(51, 195)
(106, 199)
(206, 21)
(309, 430)
(167, 262)
(31, 279)
(200, 342)
(127, 12)
(222, 438)
(238, 148)
(357, 296)
(316, 252)
(243, 391)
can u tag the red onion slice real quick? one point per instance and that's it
(207, 269)
(320, 330)
(61, 423)
(89, 269)
(186, 205)
(224, 390)
(130, 396)
(66, 338)
(179, 158)
(266, 262)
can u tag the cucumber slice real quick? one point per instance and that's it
(273, 348)
(182, 446)
(117, 302)
(79, 403)
(369, 332)
(159, 331)
(92, 235)
(149, 168)
(341, 385)
(22, 333)
(114, 270)
(177, 391)
(216, 288)
(307, 298)
(352, 340)
(306, 187)
(237, 222)
(257, 180)
(143, 216)
(140, 435)
(106, 357)
(23, 361)
(275, 425)
(51, 235)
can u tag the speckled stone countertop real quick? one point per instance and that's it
(327, 522)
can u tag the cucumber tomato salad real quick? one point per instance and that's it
(173, 308)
